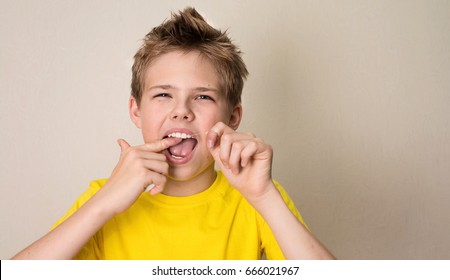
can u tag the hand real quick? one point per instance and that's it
(246, 161)
(138, 167)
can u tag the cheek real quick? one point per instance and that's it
(214, 118)
(148, 134)
(219, 113)
(150, 127)
(223, 117)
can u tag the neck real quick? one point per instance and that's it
(197, 184)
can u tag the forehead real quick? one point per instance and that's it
(182, 70)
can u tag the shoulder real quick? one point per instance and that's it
(94, 187)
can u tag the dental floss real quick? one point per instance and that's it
(149, 187)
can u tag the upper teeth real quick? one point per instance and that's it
(180, 135)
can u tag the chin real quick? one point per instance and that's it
(184, 174)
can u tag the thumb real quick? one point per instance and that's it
(212, 139)
(123, 145)
(212, 142)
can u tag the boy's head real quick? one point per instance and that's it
(188, 31)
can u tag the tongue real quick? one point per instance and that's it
(184, 148)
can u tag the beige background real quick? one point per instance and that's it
(354, 96)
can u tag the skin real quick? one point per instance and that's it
(182, 91)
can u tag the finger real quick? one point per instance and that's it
(158, 180)
(161, 167)
(156, 189)
(235, 157)
(123, 144)
(216, 133)
(225, 149)
(157, 184)
(221, 128)
(149, 187)
(230, 141)
(145, 155)
(211, 139)
(248, 152)
(160, 145)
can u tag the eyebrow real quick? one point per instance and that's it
(167, 87)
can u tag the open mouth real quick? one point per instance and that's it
(184, 149)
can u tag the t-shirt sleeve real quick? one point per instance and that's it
(92, 249)
(269, 244)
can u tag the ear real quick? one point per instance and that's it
(135, 113)
(235, 117)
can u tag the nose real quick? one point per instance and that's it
(182, 112)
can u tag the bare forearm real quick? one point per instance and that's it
(295, 241)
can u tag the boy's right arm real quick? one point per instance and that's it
(138, 167)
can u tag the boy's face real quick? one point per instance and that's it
(182, 98)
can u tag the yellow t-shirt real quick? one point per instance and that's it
(217, 223)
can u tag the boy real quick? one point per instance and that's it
(164, 199)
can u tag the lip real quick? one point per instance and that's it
(184, 160)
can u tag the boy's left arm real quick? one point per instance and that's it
(246, 161)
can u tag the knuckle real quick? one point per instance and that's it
(142, 172)
(253, 145)
(165, 168)
(160, 179)
(163, 179)
(148, 178)
(223, 157)
(163, 144)
(133, 152)
(155, 146)
(226, 138)
(160, 157)
(239, 145)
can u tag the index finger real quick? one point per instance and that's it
(160, 145)
(216, 133)
(220, 128)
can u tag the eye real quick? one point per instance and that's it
(204, 97)
(160, 95)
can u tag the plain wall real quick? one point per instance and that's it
(354, 96)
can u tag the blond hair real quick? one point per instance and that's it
(188, 31)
